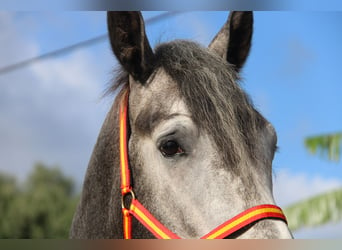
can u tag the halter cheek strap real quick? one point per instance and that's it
(137, 210)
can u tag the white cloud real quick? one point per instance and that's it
(50, 111)
(70, 74)
(289, 187)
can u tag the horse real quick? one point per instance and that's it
(198, 152)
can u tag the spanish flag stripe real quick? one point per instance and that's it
(127, 223)
(245, 218)
(125, 174)
(151, 223)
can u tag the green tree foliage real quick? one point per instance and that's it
(42, 207)
(326, 145)
(8, 194)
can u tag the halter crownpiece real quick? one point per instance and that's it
(136, 209)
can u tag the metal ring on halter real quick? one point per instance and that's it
(123, 198)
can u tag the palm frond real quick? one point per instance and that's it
(328, 145)
(316, 211)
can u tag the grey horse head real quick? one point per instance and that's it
(198, 150)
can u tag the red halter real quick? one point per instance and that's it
(152, 224)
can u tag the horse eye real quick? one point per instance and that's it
(171, 148)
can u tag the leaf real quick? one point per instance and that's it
(316, 211)
(327, 146)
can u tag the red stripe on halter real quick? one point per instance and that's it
(125, 172)
(152, 224)
(127, 224)
(245, 218)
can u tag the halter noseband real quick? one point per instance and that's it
(137, 210)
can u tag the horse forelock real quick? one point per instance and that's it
(217, 103)
(210, 89)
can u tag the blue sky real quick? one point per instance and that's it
(52, 111)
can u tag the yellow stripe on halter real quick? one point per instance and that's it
(243, 219)
(124, 163)
(149, 222)
(126, 226)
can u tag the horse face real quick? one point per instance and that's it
(171, 160)
(189, 176)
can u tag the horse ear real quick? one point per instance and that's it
(129, 43)
(233, 41)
